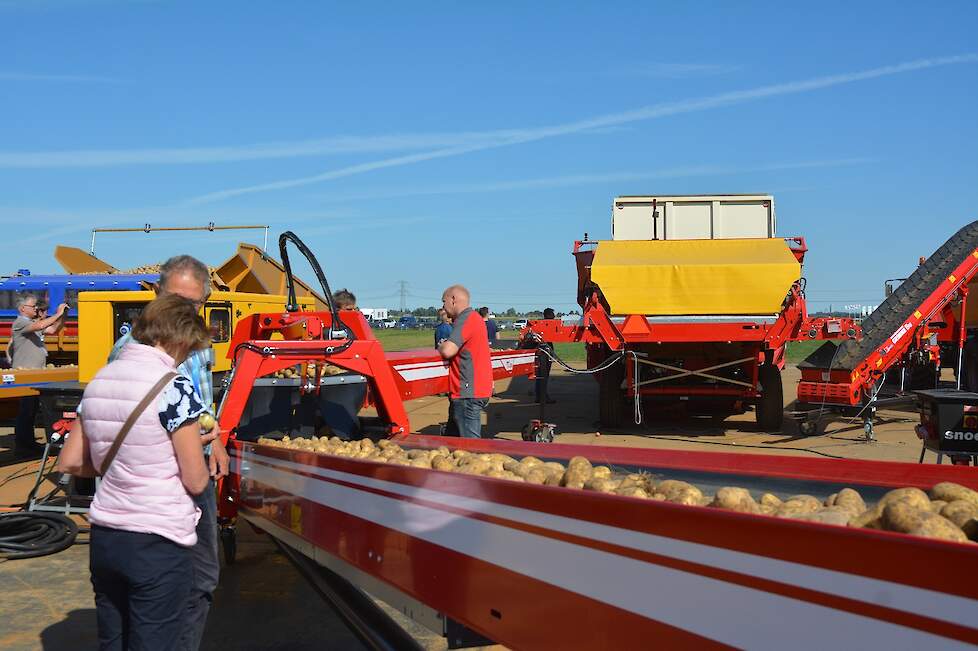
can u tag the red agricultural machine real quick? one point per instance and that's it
(926, 313)
(480, 559)
(697, 316)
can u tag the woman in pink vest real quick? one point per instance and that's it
(143, 517)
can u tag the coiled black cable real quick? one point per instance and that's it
(29, 534)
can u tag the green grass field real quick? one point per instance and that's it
(571, 353)
(799, 350)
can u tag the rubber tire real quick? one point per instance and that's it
(611, 397)
(770, 406)
(229, 542)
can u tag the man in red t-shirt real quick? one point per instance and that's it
(470, 367)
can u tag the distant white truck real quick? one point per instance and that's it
(375, 314)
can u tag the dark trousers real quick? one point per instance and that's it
(141, 584)
(467, 413)
(24, 425)
(205, 570)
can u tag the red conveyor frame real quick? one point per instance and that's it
(539, 567)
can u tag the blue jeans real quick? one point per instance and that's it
(467, 413)
(141, 583)
(206, 567)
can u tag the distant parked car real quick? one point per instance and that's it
(388, 323)
(502, 325)
(519, 324)
(407, 322)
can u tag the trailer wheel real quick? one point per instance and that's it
(770, 406)
(611, 398)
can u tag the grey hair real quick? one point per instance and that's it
(24, 297)
(186, 264)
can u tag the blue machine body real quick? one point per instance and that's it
(53, 290)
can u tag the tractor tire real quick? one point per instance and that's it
(611, 397)
(770, 406)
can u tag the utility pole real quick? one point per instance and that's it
(403, 284)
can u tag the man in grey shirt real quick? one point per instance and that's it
(27, 351)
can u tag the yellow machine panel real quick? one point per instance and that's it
(695, 277)
(103, 317)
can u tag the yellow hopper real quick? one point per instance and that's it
(695, 277)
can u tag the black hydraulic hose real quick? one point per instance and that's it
(293, 303)
(30, 534)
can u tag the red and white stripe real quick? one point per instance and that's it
(439, 368)
(630, 583)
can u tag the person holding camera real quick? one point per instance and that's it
(27, 350)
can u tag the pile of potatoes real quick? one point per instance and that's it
(948, 512)
(153, 269)
(296, 371)
(12, 370)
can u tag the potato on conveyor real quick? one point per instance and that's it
(735, 499)
(601, 484)
(904, 517)
(770, 500)
(849, 500)
(441, 462)
(633, 491)
(951, 492)
(913, 496)
(827, 515)
(679, 492)
(579, 470)
(536, 475)
(601, 471)
(965, 515)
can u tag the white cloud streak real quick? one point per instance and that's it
(236, 153)
(609, 120)
(677, 70)
(605, 177)
(80, 79)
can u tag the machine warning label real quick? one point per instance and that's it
(898, 335)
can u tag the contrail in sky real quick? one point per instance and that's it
(235, 153)
(80, 79)
(610, 120)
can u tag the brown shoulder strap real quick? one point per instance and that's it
(140, 408)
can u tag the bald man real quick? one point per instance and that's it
(470, 364)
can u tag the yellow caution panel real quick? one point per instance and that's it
(680, 277)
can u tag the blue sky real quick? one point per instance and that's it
(441, 142)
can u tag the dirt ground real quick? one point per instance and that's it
(47, 602)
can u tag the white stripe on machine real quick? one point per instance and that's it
(672, 596)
